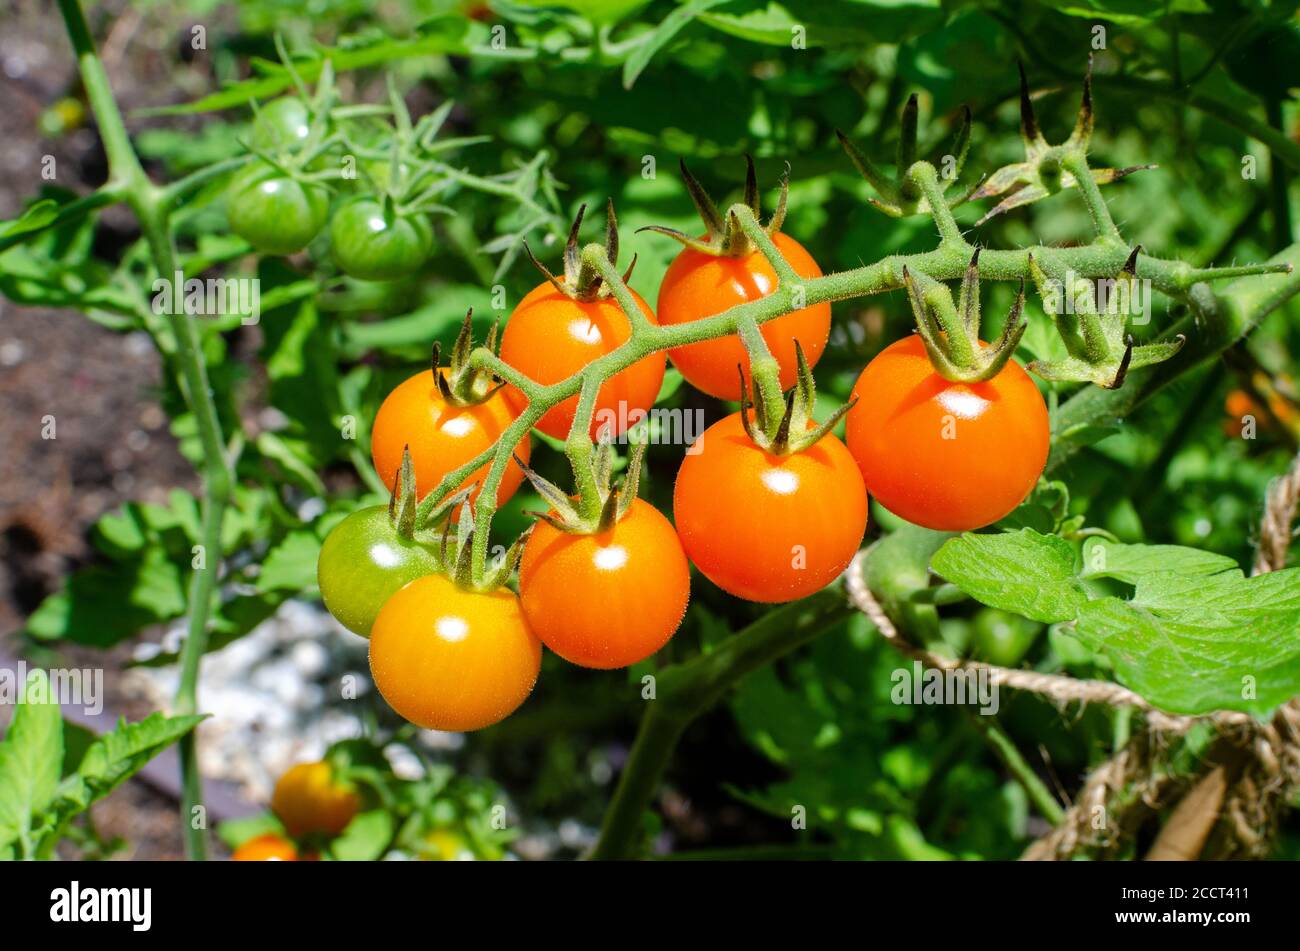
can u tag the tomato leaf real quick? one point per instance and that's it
(30, 756)
(1022, 572)
(1196, 635)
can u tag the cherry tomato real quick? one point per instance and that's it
(948, 456)
(699, 285)
(362, 564)
(450, 659)
(308, 799)
(1002, 638)
(374, 246)
(610, 599)
(274, 213)
(550, 337)
(280, 124)
(768, 527)
(441, 437)
(266, 848)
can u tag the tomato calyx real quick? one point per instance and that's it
(600, 504)
(784, 428)
(464, 383)
(1047, 168)
(456, 549)
(724, 236)
(581, 281)
(951, 331)
(1093, 327)
(404, 510)
(900, 194)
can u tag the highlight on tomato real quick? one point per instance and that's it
(446, 417)
(724, 268)
(566, 323)
(269, 847)
(604, 584)
(449, 658)
(275, 212)
(949, 432)
(375, 551)
(771, 517)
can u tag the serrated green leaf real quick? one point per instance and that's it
(30, 757)
(365, 839)
(1022, 572)
(291, 565)
(116, 757)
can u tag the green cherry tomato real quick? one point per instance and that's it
(373, 246)
(363, 562)
(1002, 638)
(274, 213)
(280, 124)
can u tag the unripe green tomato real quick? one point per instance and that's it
(273, 213)
(374, 247)
(1002, 638)
(280, 124)
(364, 562)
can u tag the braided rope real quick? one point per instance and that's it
(1131, 785)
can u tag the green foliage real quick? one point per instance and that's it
(41, 791)
(1195, 635)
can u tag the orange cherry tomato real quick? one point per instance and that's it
(699, 285)
(309, 800)
(948, 456)
(610, 599)
(266, 848)
(766, 527)
(550, 337)
(441, 437)
(450, 659)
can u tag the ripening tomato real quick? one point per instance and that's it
(610, 599)
(450, 659)
(266, 848)
(551, 336)
(699, 285)
(274, 213)
(363, 562)
(768, 527)
(948, 456)
(309, 799)
(441, 436)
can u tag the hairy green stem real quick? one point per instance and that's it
(129, 180)
(684, 691)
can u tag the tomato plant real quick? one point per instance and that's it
(1062, 509)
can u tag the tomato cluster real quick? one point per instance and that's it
(768, 513)
(282, 199)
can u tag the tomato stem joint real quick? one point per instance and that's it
(951, 331)
(1091, 319)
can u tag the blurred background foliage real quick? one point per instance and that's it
(600, 98)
